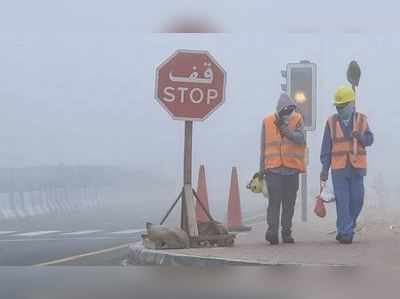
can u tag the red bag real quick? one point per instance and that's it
(319, 208)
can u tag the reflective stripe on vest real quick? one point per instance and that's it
(280, 151)
(342, 147)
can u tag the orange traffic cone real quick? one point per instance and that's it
(234, 209)
(201, 216)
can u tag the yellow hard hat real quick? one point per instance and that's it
(344, 95)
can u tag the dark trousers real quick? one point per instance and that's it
(282, 190)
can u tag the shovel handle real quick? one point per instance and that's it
(355, 121)
(355, 145)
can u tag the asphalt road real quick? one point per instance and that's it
(190, 282)
(90, 237)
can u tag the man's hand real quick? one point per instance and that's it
(259, 174)
(282, 126)
(284, 129)
(323, 176)
(356, 135)
(322, 185)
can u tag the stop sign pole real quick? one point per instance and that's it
(190, 85)
(188, 211)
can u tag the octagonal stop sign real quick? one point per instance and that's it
(190, 85)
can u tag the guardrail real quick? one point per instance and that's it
(33, 203)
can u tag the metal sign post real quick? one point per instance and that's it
(190, 85)
(188, 219)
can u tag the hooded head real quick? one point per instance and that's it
(284, 103)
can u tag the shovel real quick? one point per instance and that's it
(353, 76)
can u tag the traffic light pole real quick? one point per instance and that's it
(303, 183)
(304, 188)
(301, 86)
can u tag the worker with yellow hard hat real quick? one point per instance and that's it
(343, 150)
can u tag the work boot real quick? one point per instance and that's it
(287, 238)
(273, 239)
(344, 240)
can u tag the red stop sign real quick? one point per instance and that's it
(190, 85)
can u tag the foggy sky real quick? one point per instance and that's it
(77, 83)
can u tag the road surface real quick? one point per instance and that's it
(95, 236)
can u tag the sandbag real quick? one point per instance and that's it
(211, 228)
(167, 238)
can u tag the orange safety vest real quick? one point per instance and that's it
(342, 147)
(279, 150)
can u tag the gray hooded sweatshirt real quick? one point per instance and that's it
(297, 136)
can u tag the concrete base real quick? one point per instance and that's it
(242, 228)
(139, 255)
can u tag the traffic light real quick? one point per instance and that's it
(302, 88)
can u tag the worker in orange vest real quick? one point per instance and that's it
(282, 158)
(343, 149)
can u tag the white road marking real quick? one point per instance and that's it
(127, 232)
(6, 232)
(37, 233)
(82, 232)
(75, 257)
(18, 240)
